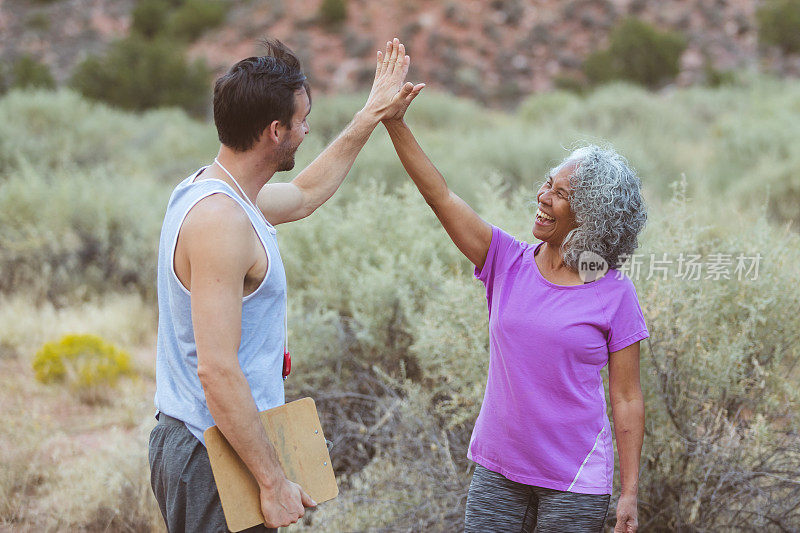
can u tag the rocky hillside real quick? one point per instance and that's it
(492, 50)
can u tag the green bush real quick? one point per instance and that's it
(88, 364)
(182, 20)
(714, 373)
(333, 12)
(150, 17)
(779, 24)
(638, 53)
(28, 72)
(389, 329)
(194, 17)
(140, 74)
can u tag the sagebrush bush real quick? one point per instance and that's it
(28, 72)
(638, 53)
(388, 328)
(714, 373)
(721, 436)
(333, 12)
(779, 24)
(86, 363)
(194, 17)
(131, 64)
(71, 234)
(149, 18)
(181, 20)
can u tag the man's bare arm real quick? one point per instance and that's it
(286, 202)
(218, 239)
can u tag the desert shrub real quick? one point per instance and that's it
(779, 24)
(194, 17)
(546, 105)
(721, 440)
(406, 354)
(639, 53)
(28, 72)
(149, 18)
(180, 20)
(87, 227)
(84, 362)
(333, 12)
(38, 21)
(133, 63)
(388, 326)
(49, 133)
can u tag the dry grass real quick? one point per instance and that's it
(65, 465)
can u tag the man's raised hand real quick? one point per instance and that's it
(390, 97)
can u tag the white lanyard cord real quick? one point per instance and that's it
(251, 204)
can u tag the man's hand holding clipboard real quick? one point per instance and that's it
(296, 434)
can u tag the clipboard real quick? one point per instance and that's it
(296, 433)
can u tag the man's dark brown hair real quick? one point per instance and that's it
(255, 92)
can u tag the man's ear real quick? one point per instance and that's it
(273, 132)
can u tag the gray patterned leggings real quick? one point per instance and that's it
(495, 503)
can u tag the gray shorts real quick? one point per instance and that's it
(182, 481)
(495, 503)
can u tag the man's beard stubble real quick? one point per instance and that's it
(285, 157)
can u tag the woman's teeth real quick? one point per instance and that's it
(543, 217)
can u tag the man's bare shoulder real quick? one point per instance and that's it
(217, 224)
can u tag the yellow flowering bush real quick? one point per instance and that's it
(86, 363)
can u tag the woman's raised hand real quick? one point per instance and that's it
(390, 96)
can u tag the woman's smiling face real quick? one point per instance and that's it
(554, 218)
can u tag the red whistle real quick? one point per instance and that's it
(287, 364)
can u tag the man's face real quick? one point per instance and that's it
(296, 131)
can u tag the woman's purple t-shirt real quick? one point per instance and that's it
(543, 420)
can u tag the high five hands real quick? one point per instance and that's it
(390, 96)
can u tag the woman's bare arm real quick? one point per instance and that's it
(471, 234)
(627, 404)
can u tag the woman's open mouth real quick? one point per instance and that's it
(543, 219)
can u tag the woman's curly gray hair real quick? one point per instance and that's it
(608, 205)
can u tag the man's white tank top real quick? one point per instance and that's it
(179, 393)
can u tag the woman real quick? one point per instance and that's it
(542, 441)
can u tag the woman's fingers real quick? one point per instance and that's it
(414, 92)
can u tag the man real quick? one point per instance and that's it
(222, 287)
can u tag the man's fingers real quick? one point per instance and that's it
(400, 59)
(395, 44)
(306, 499)
(405, 64)
(380, 63)
(386, 55)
